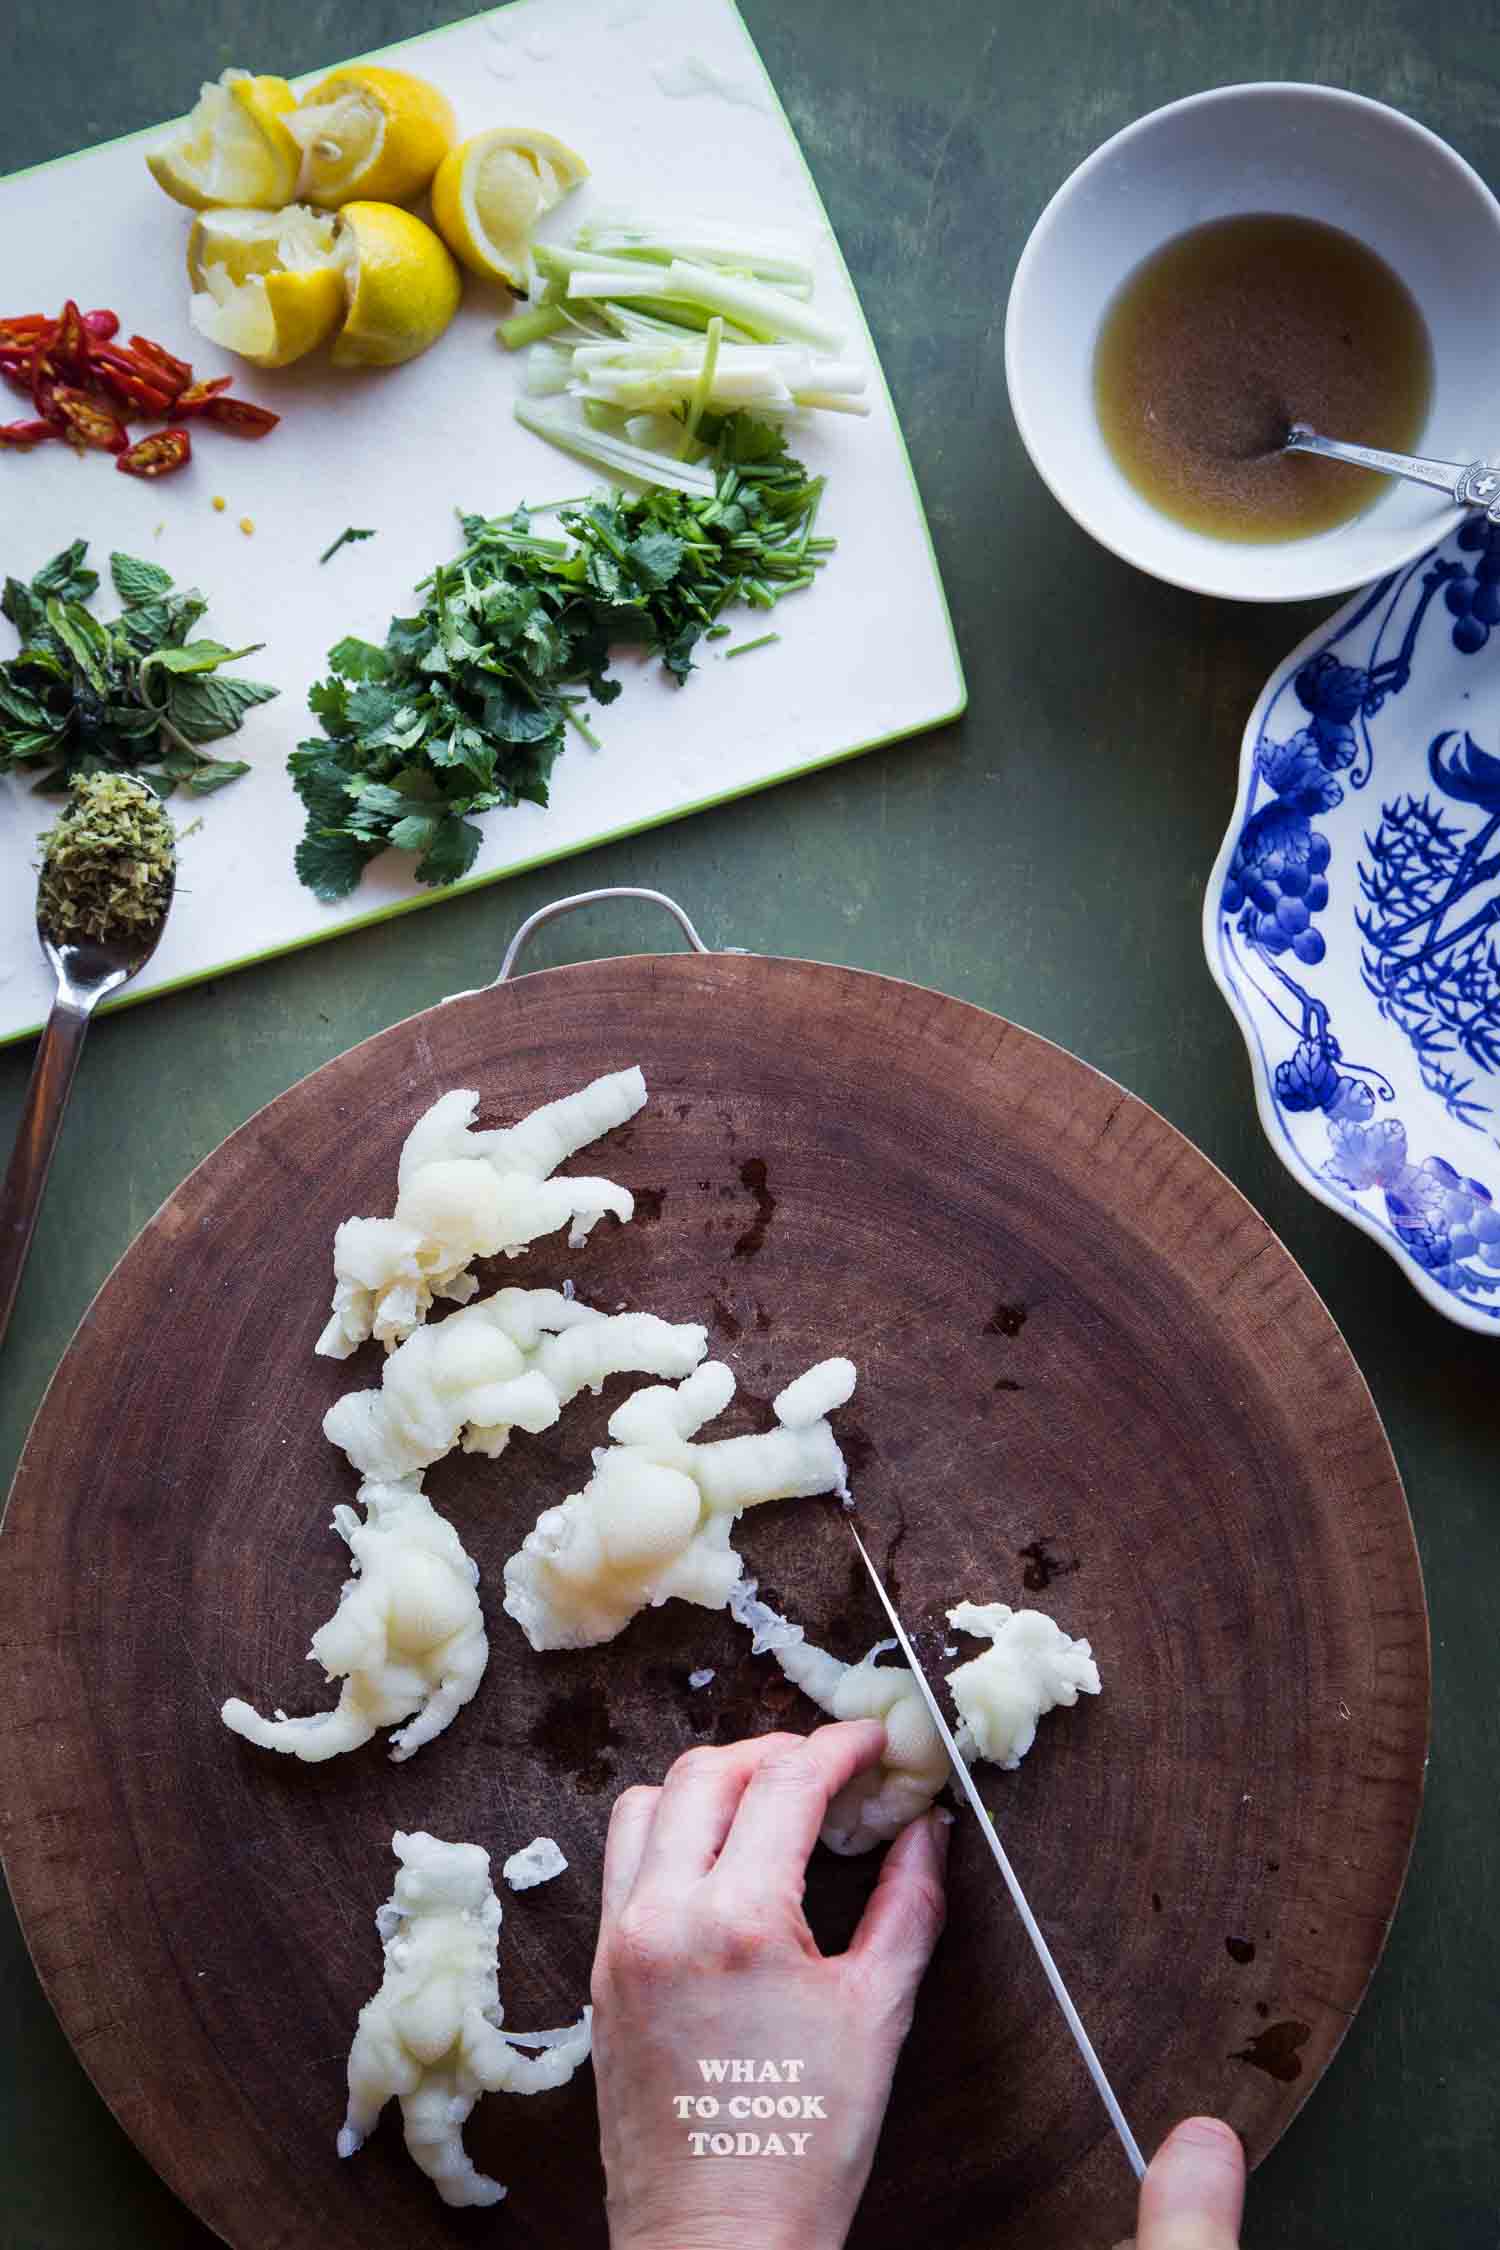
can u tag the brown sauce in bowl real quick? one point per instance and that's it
(1227, 335)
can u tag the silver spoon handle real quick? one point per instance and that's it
(36, 1138)
(1473, 484)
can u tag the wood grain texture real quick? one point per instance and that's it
(1084, 1360)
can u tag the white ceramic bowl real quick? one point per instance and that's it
(1312, 151)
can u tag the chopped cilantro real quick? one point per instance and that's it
(466, 706)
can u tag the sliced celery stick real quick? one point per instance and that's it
(616, 453)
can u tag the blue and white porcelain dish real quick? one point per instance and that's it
(1352, 920)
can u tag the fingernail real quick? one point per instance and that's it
(1207, 2132)
(1197, 2175)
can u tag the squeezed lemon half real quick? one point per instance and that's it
(371, 134)
(490, 192)
(402, 286)
(266, 284)
(273, 285)
(233, 148)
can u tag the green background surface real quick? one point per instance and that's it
(1045, 857)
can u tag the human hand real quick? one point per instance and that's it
(705, 1956)
(1194, 2189)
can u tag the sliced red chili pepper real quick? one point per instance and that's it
(23, 332)
(240, 415)
(101, 325)
(68, 345)
(157, 358)
(157, 455)
(44, 378)
(27, 433)
(198, 396)
(128, 379)
(87, 422)
(59, 355)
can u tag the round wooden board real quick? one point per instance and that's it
(1089, 1377)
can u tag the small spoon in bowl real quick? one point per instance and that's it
(1475, 484)
(87, 971)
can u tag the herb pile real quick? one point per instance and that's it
(133, 695)
(466, 706)
(107, 863)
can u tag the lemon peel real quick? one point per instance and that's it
(403, 286)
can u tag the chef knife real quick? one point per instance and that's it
(1043, 1951)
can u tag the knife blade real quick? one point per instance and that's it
(1029, 1924)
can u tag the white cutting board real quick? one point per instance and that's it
(670, 104)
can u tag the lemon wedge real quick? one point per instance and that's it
(266, 284)
(489, 194)
(370, 133)
(232, 148)
(402, 286)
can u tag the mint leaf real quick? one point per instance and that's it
(82, 636)
(201, 656)
(212, 773)
(67, 576)
(137, 581)
(26, 610)
(206, 706)
(131, 723)
(21, 708)
(161, 620)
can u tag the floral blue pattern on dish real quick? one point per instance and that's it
(1384, 914)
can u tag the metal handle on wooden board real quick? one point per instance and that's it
(545, 914)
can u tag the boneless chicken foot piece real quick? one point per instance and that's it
(433, 2036)
(407, 1639)
(463, 1194)
(653, 1523)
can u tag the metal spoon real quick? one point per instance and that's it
(87, 971)
(1473, 485)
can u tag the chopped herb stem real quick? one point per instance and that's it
(743, 648)
(344, 539)
(531, 326)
